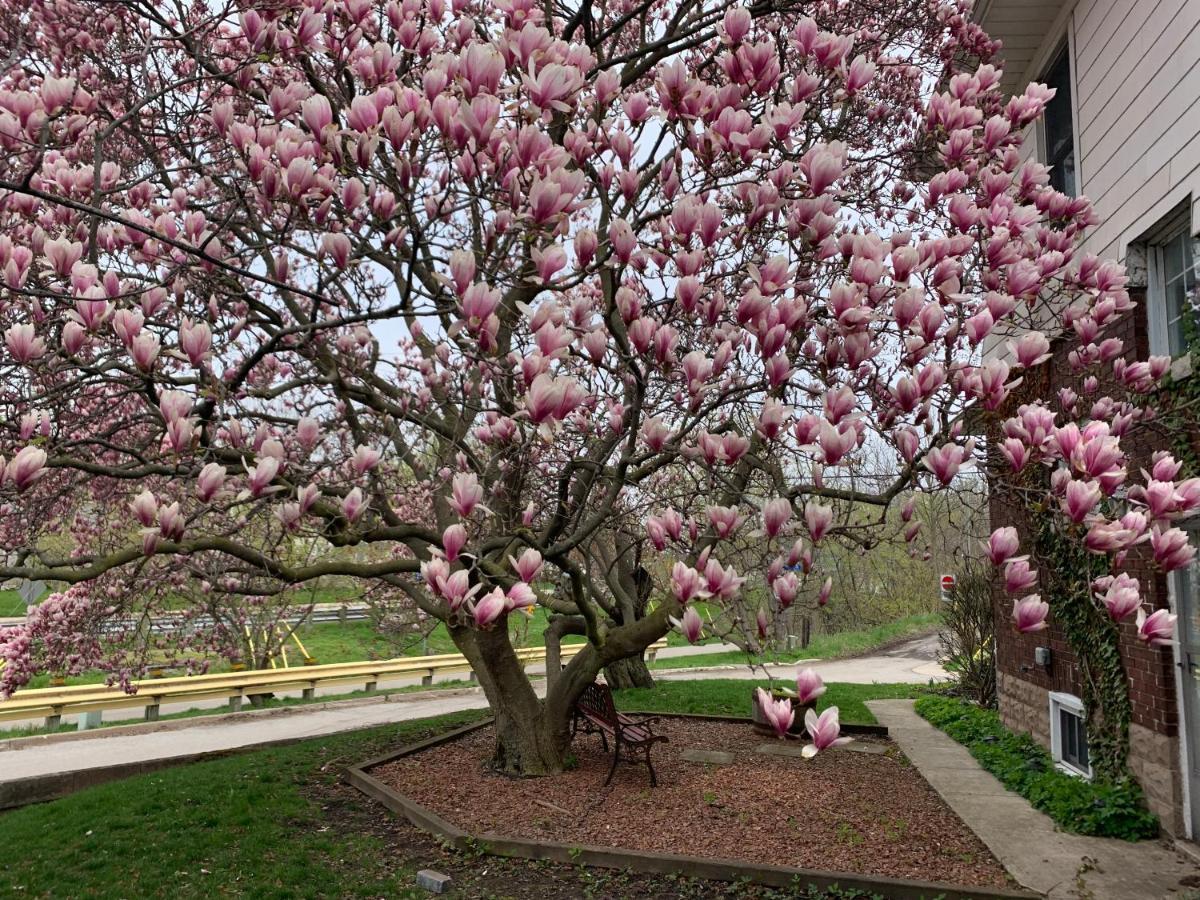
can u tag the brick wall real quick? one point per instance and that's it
(1023, 685)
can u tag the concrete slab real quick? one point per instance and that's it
(781, 748)
(1026, 841)
(710, 757)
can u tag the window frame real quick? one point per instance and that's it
(1061, 702)
(1175, 226)
(1062, 53)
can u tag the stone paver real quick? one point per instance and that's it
(1026, 841)
(710, 757)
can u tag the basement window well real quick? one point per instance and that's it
(1068, 734)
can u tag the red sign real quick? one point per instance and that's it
(948, 582)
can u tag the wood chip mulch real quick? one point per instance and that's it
(842, 811)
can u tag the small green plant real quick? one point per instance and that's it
(710, 798)
(847, 834)
(1114, 809)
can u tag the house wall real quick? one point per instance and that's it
(1136, 70)
(1023, 687)
(1137, 113)
(1136, 94)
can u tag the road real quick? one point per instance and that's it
(910, 662)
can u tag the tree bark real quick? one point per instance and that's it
(629, 672)
(533, 736)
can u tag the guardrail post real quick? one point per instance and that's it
(472, 677)
(235, 703)
(652, 654)
(91, 719)
(427, 679)
(55, 718)
(152, 711)
(372, 685)
(309, 692)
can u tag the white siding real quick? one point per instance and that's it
(1137, 95)
(1136, 72)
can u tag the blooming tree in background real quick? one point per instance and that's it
(443, 296)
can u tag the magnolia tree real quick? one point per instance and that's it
(443, 296)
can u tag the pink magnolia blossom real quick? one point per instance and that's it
(687, 584)
(364, 459)
(24, 344)
(353, 505)
(195, 340)
(489, 608)
(778, 713)
(528, 565)
(826, 591)
(262, 475)
(1171, 548)
(465, 493)
(1002, 545)
(1018, 576)
(818, 518)
(1157, 629)
(823, 731)
(690, 625)
(1120, 594)
(1029, 613)
(145, 508)
(209, 482)
(786, 587)
(520, 596)
(454, 538)
(809, 686)
(26, 467)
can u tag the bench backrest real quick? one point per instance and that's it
(597, 700)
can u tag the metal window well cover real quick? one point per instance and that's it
(646, 862)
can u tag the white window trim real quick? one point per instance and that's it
(1156, 288)
(1071, 703)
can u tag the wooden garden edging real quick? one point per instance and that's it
(647, 862)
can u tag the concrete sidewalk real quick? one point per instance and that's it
(1027, 842)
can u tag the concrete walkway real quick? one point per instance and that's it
(1040, 857)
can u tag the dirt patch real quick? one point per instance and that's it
(843, 811)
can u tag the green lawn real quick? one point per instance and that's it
(731, 697)
(274, 824)
(235, 827)
(11, 604)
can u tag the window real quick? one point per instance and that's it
(1059, 129)
(1068, 734)
(1172, 284)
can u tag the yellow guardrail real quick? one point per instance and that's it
(55, 702)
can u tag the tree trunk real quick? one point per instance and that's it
(629, 672)
(532, 736)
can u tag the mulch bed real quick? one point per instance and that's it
(842, 811)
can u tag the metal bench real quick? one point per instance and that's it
(596, 712)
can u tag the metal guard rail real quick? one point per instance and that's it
(55, 702)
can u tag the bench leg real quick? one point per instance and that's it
(650, 766)
(616, 758)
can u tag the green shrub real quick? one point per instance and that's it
(1112, 809)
